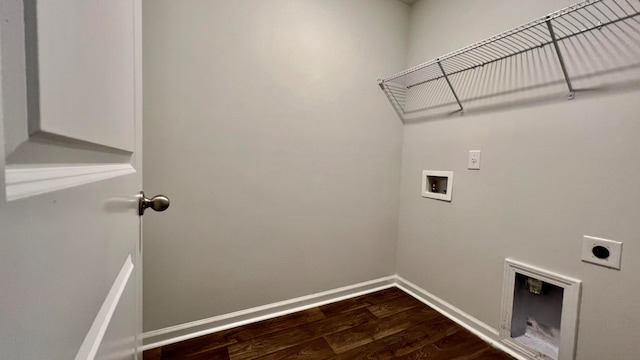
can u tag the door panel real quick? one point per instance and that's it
(69, 184)
(81, 67)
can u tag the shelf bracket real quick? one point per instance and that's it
(572, 92)
(450, 86)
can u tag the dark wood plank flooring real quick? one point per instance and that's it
(387, 324)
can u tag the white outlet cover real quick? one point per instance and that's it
(474, 160)
(613, 248)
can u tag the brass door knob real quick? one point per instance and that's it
(157, 203)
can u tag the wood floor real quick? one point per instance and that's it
(388, 324)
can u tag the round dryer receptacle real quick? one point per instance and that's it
(600, 252)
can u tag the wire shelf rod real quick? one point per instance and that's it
(488, 62)
(590, 20)
(618, 5)
(456, 64)
(578, 21)
(497, 56)
(592, 14)
(570, 26)
(595, 27)
(631, 5)
(473, 58)
(517, 42)
(621, 8)
(586, 5)
(562, 29)
(465, 49)
(487, 51)
(602, 12)
(541, 32)
(503, 57)
(497, 47)
(494, 38)
(533, 37)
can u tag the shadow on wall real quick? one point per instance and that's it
(522, 68)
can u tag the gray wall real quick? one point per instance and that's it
(550, 173)
(264, 124)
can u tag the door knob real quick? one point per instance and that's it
(157, 203)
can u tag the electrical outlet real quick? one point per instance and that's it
(474, 160)
(601, 251)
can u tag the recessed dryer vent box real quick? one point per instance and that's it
(539, 312)
(437, 184)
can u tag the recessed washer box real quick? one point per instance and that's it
(437, 184)
(540, 310)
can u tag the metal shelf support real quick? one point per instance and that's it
(572, 92)
(444, 73)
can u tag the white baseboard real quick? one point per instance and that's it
(214, 324)
(475, 326)
(194, 329)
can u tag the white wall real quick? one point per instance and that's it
(550, 173)
(264, 125)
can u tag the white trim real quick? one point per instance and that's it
(29, 181)
(92, 341)
(475, 326)
(194, 329)
(570, 307)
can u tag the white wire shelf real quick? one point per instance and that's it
(441, 81)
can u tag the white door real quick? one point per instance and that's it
(70, 241)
